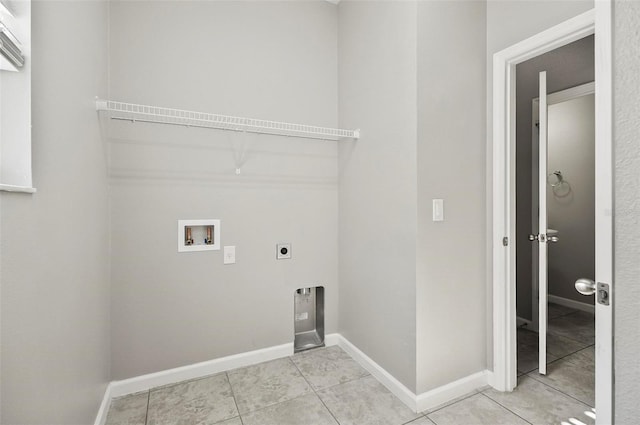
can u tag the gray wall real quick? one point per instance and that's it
(271, 60)
(567, 66)
(451, 330)
(378, 182)
(627, 210)
(55, 272)
(509, 22)
(571, 205)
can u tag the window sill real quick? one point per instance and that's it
(19, 189)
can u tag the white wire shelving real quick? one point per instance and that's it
(156, 114)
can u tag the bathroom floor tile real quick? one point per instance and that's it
(557, 345)
(585, 357)
(305, 410)
(365, 401)
(326, 367)
(557, 310)
(128, 410)
(571, 378)
(205, 401)
(540, 404)
(579, 326)
(528, 359)
(476, 410)
(266, 384)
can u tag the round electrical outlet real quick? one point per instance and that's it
(283, 251)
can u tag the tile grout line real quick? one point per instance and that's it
(570, 354)
(146, 415)
(284, 401)
(313, 389)
(506, 408)
(233, 394)
(438, 408)
(559, 358)
(560, 391)
(569, 338)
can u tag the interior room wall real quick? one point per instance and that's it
(509, 22)
(571, 204)
(567, 66)
(451, 330)
(55, 252)
(626, 110)
(270, 60)
(15, 120)
(378, 182)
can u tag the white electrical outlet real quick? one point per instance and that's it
(283, 251)
(229, 255)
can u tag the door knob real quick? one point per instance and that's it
(553, 239)
(585, 286)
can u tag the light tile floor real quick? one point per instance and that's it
(326, 387)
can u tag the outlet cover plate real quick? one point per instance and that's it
(283, 251)
(230, 254)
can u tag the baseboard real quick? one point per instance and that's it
(423, 401)
(392, 384)
(194, 371)
(101, 417)
(416, 403)
(523, 322)
(198, 370)
(572, 304)
(452, 390)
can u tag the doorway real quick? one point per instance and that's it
(504, 201)
(568, 185)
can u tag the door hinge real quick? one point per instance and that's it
(505, 241)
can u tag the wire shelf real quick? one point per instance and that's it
(155, 114)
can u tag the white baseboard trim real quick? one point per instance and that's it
(523, 322)
(194, 371)
(417, 403)
(572, 304)
(101, 417)
(199, 370)
(396, 387)
(423, 401)
(452, 390)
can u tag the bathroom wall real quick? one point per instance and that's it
(450, 159)
(571, 205)
(568, 66)
(55, 253)
(270, 60)
(509, 22)
(378, 182)
(626, 111)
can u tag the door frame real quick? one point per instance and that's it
(598, 20)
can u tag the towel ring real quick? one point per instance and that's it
(555, 179)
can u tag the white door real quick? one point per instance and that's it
(604, 217)
(542, 226)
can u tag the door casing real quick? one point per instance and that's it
(596, 21)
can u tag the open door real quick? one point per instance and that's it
(542, 226)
